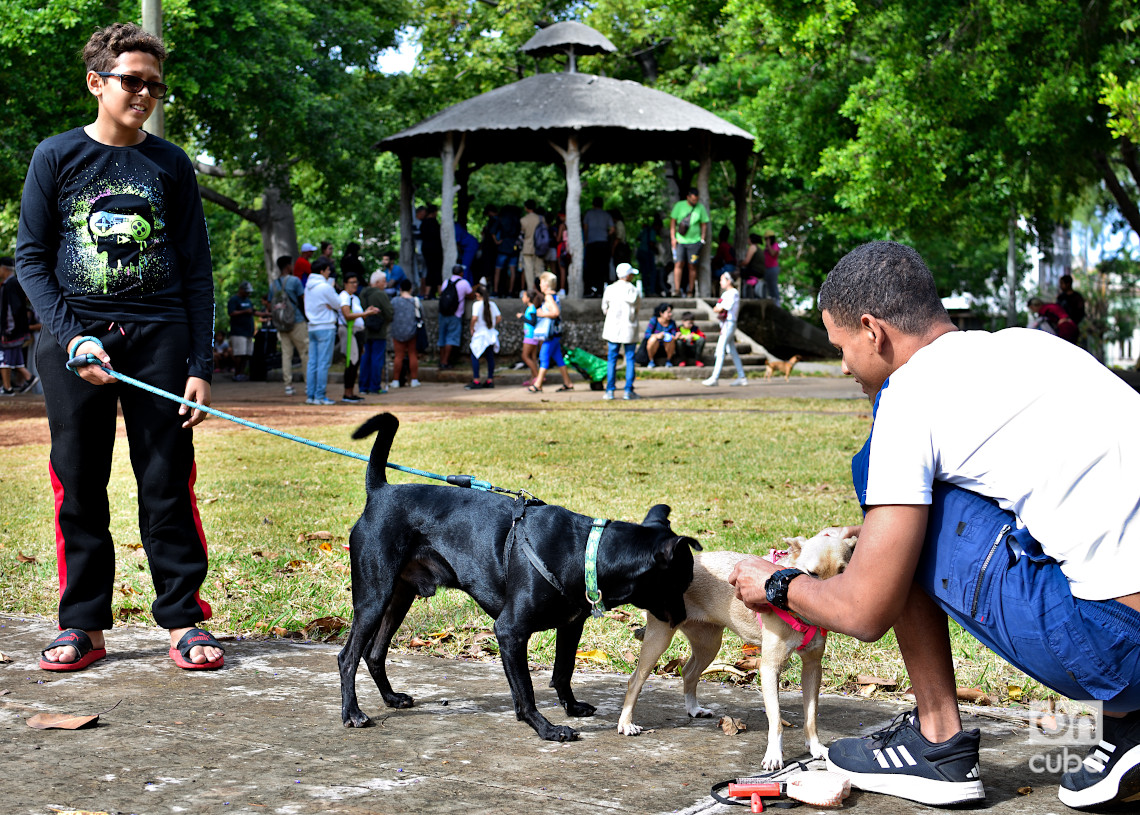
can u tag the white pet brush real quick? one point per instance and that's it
(820, 789)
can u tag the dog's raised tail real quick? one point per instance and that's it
(384, 425)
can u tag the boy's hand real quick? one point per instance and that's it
(748, 578)
(93, 373)
(197, 390)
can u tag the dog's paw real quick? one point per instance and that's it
(579, 709)
(772, 761)
(398, 700)
(698, 712)
(356, 718)
(629, 729)
(817, 750)
(560, 733)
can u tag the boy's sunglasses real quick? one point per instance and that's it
(134, 84)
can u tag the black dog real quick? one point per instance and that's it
(414, 538)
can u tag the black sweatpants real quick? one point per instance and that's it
(82, 420)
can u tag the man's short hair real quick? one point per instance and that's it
(530, 203)
(887, 280)
(389, 255)
(598, 202)
(284, 261)
(1066, 280)
(405, 285)
(107, 44)
(692, 191)
(7, 261)
(378, 278)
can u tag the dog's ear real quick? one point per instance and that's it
(667, 547)
(795, 546)
(658, 516)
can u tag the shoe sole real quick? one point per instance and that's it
(1121, 785)
(913, 788)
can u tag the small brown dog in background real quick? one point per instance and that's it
(711, 606)
(783, 367)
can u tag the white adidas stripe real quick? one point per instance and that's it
(906, 756)
(882, 761)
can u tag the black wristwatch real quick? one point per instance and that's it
(777, 587)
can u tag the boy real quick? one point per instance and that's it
(690, 341)
(112, 252)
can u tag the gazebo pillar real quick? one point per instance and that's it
(447, 205)
(572, 157)
(407, 242)
(742, 199)
(704, 287)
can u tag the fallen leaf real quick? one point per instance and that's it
(1014, 692)
(295, 564)
(629, 657)
(439, 636)
(732, 726)
(749, 664)
(672, 665)
(866, 679)
(4, 658)
(134, 546)
(722, 667)
(207, 500)
(284, 633)
(60, 721)
(416, 642)
(314, 536)
(1024, 790)
(325, 627)
(728, 522)
(127, 590)
(594, 655)
(266, 521)
(867, 691)
(750, 650)
(325, 546)
(618, 614)
(4, 692)
(974, 695)
(125, 613)
(76, 811)
(22, 558)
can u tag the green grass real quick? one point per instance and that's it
(739, 475)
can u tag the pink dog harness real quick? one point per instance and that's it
(807, 629)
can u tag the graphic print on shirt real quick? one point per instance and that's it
(115, 239)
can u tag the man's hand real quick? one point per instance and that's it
(749, 577)
(92, 373)
(197, 390)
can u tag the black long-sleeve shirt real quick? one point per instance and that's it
(116, 234)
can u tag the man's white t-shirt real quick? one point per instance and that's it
(1033, 422)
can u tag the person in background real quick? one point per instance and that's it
(302, 266)
(393, 272)
(1071, 301)
(350, 332)
(528, 315)
(661, 333)
(772, 268)
(405, 316)
(451, 325)
(242, 329)
(376, 326)
(727, 310)
(322, 307)
(690, 341)
(619, 303)
(688, 232)
(485, 320)
(15, 332)
(550, 353)
(298, 336)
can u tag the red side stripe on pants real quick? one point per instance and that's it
(207, 612)
(60, 560)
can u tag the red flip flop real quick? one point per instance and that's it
(77, 638)
(180, 653)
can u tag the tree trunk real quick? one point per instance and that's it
(278, 230)
(1011, 268)
(1124, 202)
(704, 287)
(447, 206)
(742, 196)
(407, 241)
(572, 157)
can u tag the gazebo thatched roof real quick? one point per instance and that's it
(623, 121)
(561, 37)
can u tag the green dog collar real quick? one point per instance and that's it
(593, 593)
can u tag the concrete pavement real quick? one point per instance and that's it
(263, 735)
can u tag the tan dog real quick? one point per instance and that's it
(783, 367)
(711, 606)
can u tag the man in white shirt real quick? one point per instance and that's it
(619, 303)
(971, 511)
(322, 306)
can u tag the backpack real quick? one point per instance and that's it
(403, 319)
(284, 314)
(541, 239)
(449, 299)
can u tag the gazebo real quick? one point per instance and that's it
(568, 115)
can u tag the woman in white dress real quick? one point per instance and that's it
(485, 319)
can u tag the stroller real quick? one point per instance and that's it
(591, 367)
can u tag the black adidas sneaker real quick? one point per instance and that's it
(1110, 773)
(899, 761)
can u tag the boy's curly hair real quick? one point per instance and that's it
(107, 44)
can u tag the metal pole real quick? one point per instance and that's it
(152, 24)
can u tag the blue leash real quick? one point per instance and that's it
(465, 481)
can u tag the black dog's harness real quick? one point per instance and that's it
(518, 533)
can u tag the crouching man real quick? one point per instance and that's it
(1033, 548)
